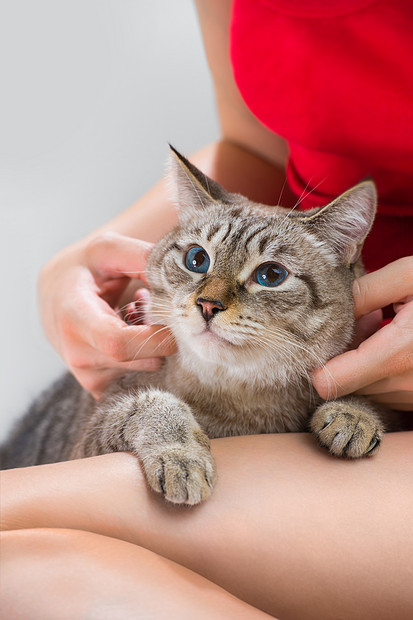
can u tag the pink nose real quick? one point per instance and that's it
(209, 307)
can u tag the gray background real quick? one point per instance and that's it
(91, 91)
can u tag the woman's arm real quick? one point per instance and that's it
(288, 529)
(381, 367)
(80, 287)
(53, 573)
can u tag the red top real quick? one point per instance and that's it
(335, 79)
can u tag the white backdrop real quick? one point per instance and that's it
(91, 91)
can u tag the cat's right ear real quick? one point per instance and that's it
(345, 223)
(194, 190)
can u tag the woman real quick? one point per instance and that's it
(289, 531)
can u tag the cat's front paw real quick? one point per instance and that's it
(184, 474)
(347, 427)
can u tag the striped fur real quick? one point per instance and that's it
(246, 367)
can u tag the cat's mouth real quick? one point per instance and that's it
(211, 335)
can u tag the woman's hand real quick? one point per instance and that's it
(381, 367)
(79, 290)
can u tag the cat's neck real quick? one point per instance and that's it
(223, 377)
(228, 402)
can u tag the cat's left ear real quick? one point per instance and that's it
(345, 223)
(194, 190)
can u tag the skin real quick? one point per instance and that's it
(381, 367)
(289, 530)
(74, 326)
(251, 160)
(319, 538)
(108, 577)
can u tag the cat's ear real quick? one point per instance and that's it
(345, 223)
(193, 189)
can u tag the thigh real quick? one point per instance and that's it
(289, 529)
(66, 574)
(301, 534)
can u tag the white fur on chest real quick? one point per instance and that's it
(229, 400)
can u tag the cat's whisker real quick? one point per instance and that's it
(301, 195)
(129, 272)
(165, 313)
(277, 348)
(282, 191)
(160, 310)
(131, 340)
(312, 190)
(283, 340)
(312, 354)
(197, 192)
(156, 306)
(145, 342)
(304, 195)
(256, 378)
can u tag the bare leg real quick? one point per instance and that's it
(289, 529)
(67, 574)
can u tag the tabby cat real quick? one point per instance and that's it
(256, 298)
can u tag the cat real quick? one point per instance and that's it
(256, 298)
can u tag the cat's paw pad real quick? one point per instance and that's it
(183, 474)
(347, 429)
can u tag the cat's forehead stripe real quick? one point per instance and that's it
(215, 228)
(263, 244)
(313, 290)
(216, 233)
(254, 233)
(227, 232)
(242, 230)
(274, 237)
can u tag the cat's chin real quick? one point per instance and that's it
(215, 351)
(209, 346)
(210, 352)
(213, 339)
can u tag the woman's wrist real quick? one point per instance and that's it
(67, 495)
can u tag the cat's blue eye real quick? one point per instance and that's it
(197, 260)
(270, 274)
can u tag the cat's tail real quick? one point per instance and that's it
(45, 431)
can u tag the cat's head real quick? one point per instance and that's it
(262, 292)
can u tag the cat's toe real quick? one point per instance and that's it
(347, 429)
(183, 475)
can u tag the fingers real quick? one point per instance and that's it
(366, 326)
(350, 371)
(81, 320)
(126, 343)
(400, 305)
(394, 392)
(96, 380)
(400, 401)
(114, 256)
(383, 361)
(388, 285)
(136, 312)
(101, 347)
(387, 353)
(126, 349)
(390, 385)
(89, 319)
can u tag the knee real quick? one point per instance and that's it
(39, 568)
